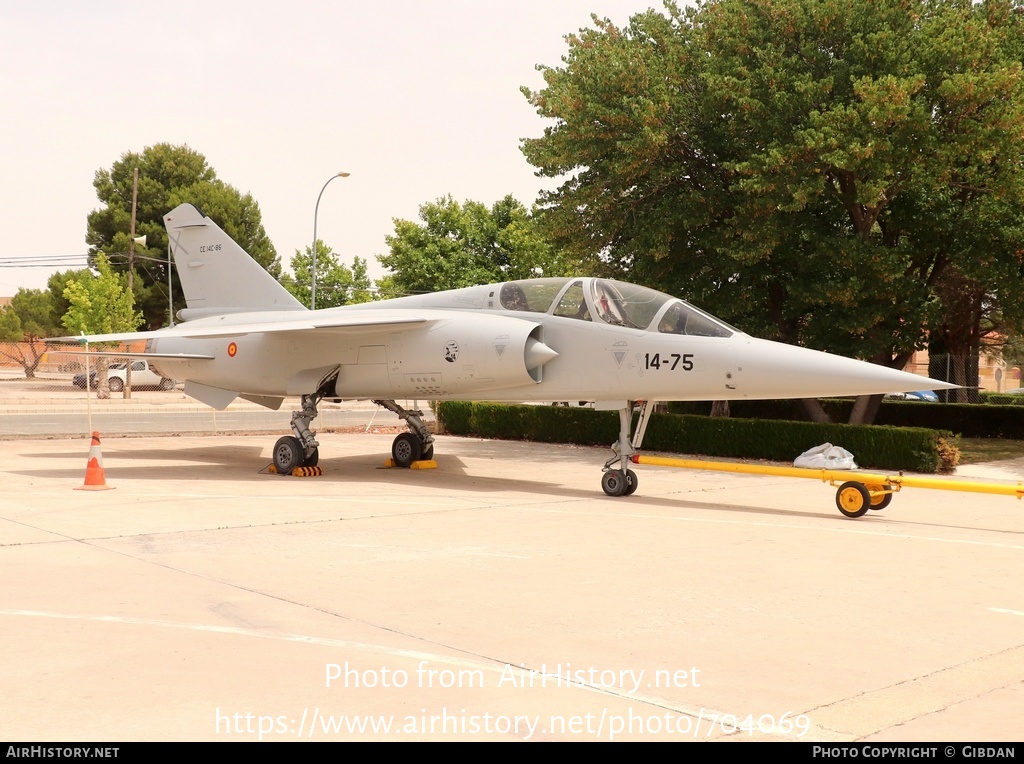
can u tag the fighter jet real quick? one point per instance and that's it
(620, 345)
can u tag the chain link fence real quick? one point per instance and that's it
(42, 393)
(980, 376)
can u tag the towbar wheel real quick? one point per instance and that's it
(853, 499)
(882, 501)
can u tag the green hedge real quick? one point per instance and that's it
(1001, 399)
(965, 419)
(969, 420)
(890, 448)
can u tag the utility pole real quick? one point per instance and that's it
(131, 273)
(131, 236)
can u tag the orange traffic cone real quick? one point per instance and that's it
(95, 477)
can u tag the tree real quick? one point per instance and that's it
(385, 288)
(10, 326)
(26, 321)
(57, 284)
(460, 245)
(100, 304)
(168, 176)
(336, 284)
(808, 171)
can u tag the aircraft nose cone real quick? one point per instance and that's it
(776, 370)
(537, 353)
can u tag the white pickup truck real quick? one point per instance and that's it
(143, 376)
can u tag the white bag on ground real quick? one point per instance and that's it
(826, 456)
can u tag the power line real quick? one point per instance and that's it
(56, 261)
(42, 261)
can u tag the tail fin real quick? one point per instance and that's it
(217, 275)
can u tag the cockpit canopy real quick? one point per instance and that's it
(611, 302)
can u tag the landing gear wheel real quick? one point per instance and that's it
(288, 454)
(853, 499)
(428, 452)
(631, 483)
(614, 483)
(882, 501)
(313, 459)
(406, 449)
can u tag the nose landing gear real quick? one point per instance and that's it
(620, 480)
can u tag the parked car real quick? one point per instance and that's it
(143, 376)
(926, 396)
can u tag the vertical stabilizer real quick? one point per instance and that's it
(215, 273)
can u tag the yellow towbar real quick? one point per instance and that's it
(858, 491)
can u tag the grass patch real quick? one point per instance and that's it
(975, 450)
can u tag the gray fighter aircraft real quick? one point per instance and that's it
(551, 339)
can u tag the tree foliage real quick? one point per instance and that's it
(810, 171)
(100, 304)
(459, 245)
(33, 309)
(24, 323)
(336, 284)
(57, 284)
(168, 176)
(10, 325)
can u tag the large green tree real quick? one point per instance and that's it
(336, 283)
(807, 169)
(23, 325)
(459, 245)
(168, 176)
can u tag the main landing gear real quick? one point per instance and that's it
(302, 450)
(415, 445)
(620, 480)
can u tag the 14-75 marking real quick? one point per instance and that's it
(671, 361)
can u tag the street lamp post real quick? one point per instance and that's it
(316, 211)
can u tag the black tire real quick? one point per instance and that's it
(631, 483)
(406, 449)
(115, 384)
(428, 452)
(166, 384)
(614, 483)
(883, 501)
(313, 459)
(288, 454)
(853, 499)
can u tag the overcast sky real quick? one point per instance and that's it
(415, 99)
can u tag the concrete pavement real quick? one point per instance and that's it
(500, 596)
